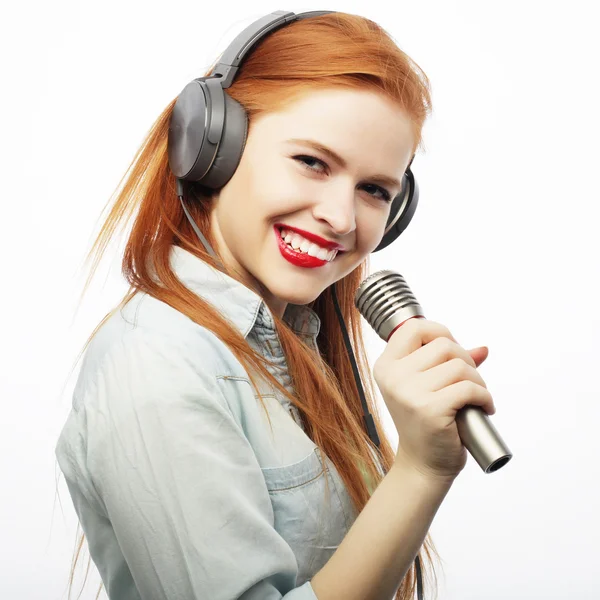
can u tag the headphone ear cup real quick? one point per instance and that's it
(231, 144)
(187, 132)
(403, 208)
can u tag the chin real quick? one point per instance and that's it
(291, 296)
(300, 298)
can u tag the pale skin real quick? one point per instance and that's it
(341, 204)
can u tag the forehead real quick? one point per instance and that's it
(348, 121)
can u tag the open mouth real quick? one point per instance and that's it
(303, 253)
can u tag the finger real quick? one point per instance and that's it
(479, 354)
(438, 351)
(448, 373)
(415, 334)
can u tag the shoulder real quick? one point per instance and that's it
(149, 334)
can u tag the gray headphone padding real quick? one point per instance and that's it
(233, 141)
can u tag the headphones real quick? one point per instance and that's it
(208, 128)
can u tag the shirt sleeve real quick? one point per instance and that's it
(180, 482)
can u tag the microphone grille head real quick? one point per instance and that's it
(385, 301)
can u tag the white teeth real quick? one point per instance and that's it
(320, 253)
(303, 245)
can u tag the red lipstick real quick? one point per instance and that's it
(300, 259)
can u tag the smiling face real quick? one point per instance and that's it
(284, 182)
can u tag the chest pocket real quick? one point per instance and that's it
(312, 521)
(312, 509)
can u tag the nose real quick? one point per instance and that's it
(336, 209)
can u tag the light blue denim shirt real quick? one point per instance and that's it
(181, 486)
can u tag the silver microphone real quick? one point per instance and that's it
(386, 302)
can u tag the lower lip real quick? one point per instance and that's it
(296, 258)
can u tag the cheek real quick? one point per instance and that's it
(270, 189)
(280, 197)
(370, 228)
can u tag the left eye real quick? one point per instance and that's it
(303, 158)
(309, 158)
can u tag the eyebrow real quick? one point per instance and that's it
(380, 178)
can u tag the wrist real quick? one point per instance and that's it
(404, 464)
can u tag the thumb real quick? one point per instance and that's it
(479, 354)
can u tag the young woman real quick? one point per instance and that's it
(216, 448)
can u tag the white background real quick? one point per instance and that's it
(503, 249)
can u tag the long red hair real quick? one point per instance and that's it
(332, 50)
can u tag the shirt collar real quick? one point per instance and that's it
(241, 305)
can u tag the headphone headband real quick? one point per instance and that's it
(244, 42)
